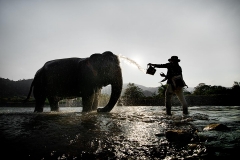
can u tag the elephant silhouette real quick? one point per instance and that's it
(78, 77)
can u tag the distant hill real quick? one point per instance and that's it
(147, 91)
(9, 88)
(150, 89)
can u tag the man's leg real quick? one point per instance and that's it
(168, 98)
(181, 97)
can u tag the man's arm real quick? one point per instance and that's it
(159, 65)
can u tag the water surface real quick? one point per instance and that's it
(125, 133)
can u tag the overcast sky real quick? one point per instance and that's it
(204, 34)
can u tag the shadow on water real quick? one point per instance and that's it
(125, 133)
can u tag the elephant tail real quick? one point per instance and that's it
(29, 93)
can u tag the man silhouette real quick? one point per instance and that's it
(175, 83)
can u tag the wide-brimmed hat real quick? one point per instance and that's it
(174, 58)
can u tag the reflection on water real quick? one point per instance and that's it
(124, 133)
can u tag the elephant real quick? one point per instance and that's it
(78, 77)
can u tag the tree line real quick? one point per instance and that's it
(10, 88)
(134, 95)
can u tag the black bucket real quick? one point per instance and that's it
(150, 70)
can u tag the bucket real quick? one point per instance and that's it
(150, 70)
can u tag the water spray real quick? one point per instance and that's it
(131, 62)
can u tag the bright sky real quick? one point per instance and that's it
(204, 34)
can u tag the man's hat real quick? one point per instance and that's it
(174, 58)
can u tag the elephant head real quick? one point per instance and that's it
(106, 70)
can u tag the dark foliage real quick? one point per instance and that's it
(203, 89)
(9, 88)
(132, 94)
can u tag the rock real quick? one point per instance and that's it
(178, 136)
(160, 134)
(216, 126)
(148, 120)
(192, 146)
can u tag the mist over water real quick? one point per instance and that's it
(131, 62)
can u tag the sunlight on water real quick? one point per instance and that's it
(62, 110)
(131, 62)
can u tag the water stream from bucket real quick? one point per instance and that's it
(131, 62)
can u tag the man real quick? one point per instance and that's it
(175, 83)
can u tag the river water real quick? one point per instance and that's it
(125, 133)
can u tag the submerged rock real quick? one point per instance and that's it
(178, 136)
(215, 126)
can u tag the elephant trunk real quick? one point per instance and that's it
(115, 95)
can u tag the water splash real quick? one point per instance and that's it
(75, 102)
(131, 62)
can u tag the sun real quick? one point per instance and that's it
(137, 58)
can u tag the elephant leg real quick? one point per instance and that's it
(39, 104)
(53, 104)
(96, 99)
(87, 102)
(40, 98)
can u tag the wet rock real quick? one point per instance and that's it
(146, 120)
(160, 134)
(178, 136)
(216, 126)
(192, 146)
(207, 136)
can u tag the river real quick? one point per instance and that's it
(127, 132)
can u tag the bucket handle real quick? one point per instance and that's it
(149, 65)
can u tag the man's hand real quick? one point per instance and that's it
(162, 74)
(151, 64)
